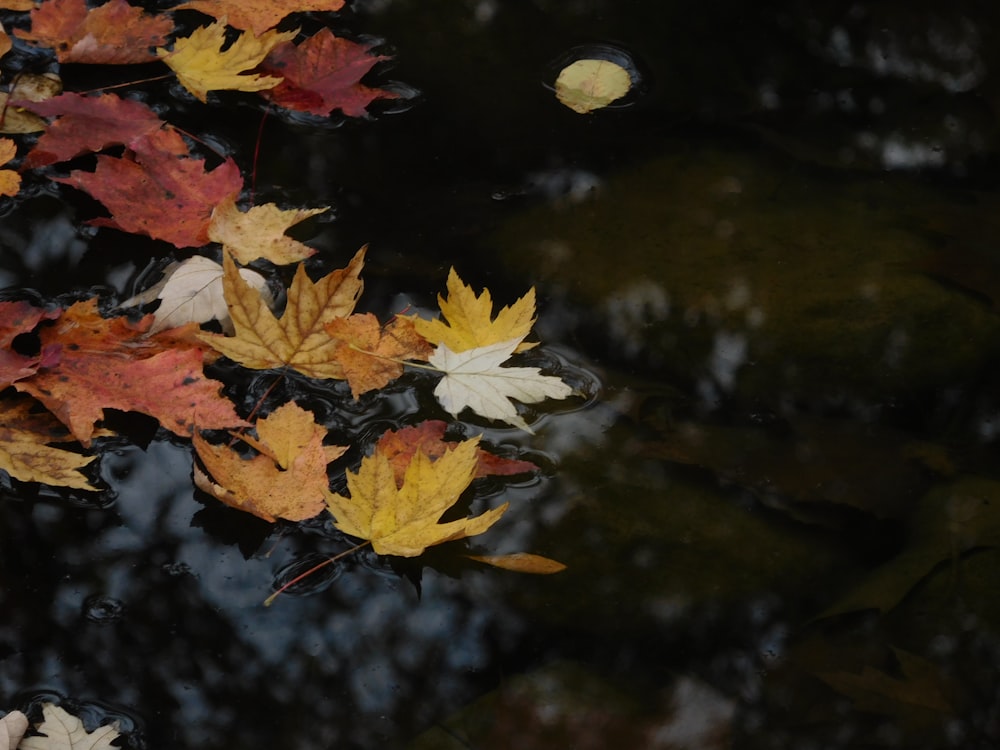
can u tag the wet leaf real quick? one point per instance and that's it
(17, 318)
(201, 65)
(404, 520)
(948, 521)
(10, 181)
(521, 562)
(113, 363)
(399, 446)
(12, 728)
(191, 292)
(25, 452)
(287, 480)
(299, 338)
(156, 191)
(86, 124)
(468, 319)
(476, 380)
(5, 42)
(29, 87)
(257, 15)
(586, 85)
(63, 731)
(259, 232)
(322, 74)
(114, 33)
(370, 354)
(918, 689)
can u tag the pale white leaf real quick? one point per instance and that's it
(475, 379)
(63, 731)
(12, 727)
(191, 292)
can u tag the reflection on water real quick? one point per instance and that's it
(773, 279)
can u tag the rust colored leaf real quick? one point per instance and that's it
(323, 74)
(399, 447)
(287, 480)
(371, 354)
(155, 191)
(17, 318)
(112, 363)
(299, 338)
(86, 124)
(257, 15)
(115, 33)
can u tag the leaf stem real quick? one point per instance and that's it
(270, 600)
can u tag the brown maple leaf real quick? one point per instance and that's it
(298, 339)
(399, 447)
(115, 33)
(371, 355)
(112, 363)
(323, 74)
(287, 480)
(86, 124)
(257, 15)
(156, 191)
(17, 318)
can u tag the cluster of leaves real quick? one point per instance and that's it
(61, 368)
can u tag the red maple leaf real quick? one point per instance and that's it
(17, 318)
(112, 363)
(88, 124)
(157, 191)
(115, 33)
(322, 74)
(399, 446)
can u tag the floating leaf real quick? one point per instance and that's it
(63, 731)
(521, 562)
(259, 232)
(586, 85)
(257, 15)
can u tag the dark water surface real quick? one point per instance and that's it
(775, 276)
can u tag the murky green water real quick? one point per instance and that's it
(774, 274)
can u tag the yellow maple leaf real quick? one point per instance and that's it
(288, 480)
(404, 520)
(299, 339)
(260, 232)
(10, 181)
(470, 322)
(25, 453)
(202, 66)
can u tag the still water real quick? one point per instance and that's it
(773, 277)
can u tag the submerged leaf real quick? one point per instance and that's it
(521, 562)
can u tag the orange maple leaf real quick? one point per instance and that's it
(287, 480)
(10, 181)
(115, 33)
(371, 355)
(257, 15)
(112, 363)
(158, 190)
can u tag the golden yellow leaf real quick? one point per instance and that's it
(288, 480)
(25, 453)
(260, 232)
(299, 339)
(586, 85)
(10, 181)
(404, 521)
(202, 66)
(521, 562)
(470, 322)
